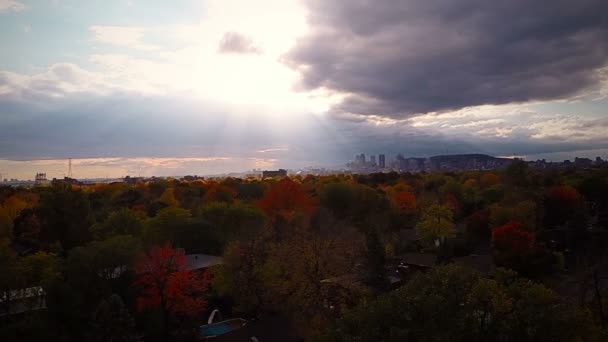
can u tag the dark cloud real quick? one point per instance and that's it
(404, 57)
(234, 42)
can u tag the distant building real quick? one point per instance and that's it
(273, 173)
(360, 159)
(65, 181)
(133, 180)
(382, 161)
(372, 160)
(583, 162)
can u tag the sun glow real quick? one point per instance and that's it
(247, 78)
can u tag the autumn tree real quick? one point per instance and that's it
(217, 192)
(478, 225)
(9, 210)
(168, 198)
(404, 201)
(488, 179)
(436, 225)
(284, 200)
(562, 202)
(167, 285)
(513, 240)
(517, 248)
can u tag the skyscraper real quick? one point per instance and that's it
(360, 159)
(372, 160)
(381, 161)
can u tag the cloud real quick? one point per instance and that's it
(58, 81)
(402, 58)
(11, 5)
(122, 36)
(234, 42)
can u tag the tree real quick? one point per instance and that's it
(112, 322)
(233, 221)
(517, 172)
(562, 203)
(65, 216)
(285, 200)
(8, 269)
(217, 192)
(517, 248)
(405, 201)
(168, 197)
(436, 224)
(27, 228)
(452, 303)
(338, 197)
(512, 240)
(488, 179)
(101, 261)
(121, 222)
(164, 225)
(168, 286)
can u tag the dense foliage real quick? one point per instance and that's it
(338, 257)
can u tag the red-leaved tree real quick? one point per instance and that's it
(285, 199)
(168, 286)
(513, 240)
(561, 203)
(404, 201)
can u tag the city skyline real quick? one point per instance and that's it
(112, 168)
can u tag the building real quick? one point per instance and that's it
(273, 173)
(360, 159)
(372, 160)
(382, 161)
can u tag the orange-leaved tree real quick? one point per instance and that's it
(285, 199)
(169, 286)
(405, 201)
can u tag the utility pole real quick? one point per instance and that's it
(70, 168)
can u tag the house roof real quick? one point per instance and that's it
(201, 261)
(418, 259)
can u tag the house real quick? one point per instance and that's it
(22, 300)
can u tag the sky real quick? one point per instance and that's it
(194, 87)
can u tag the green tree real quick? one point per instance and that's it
(436, 225)
(234, 221)
(162, 227)
(339, 198)
(452, 303)
(66, 216)
(121, 222)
